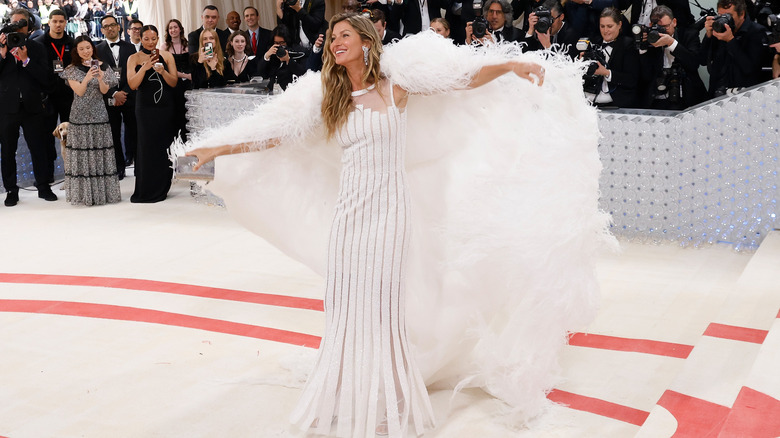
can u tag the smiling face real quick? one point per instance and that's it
(346, 44)
(174, 30)
(238, 43)
(233, 20)
(84, 49)
(250, 17)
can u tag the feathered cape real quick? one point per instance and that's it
(504, 187)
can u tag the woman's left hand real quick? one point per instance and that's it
(531, 71)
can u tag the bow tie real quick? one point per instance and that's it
(113, 45)
(605, 45)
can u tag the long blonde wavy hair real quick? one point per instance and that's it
(337, 89)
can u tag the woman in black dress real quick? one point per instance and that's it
(177, 44)
(240, 67)
(153, 74)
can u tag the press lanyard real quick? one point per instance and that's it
(59, 54)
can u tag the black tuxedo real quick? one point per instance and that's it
(193, 39)
(686, 59)
(265, 40)
(283, 73)
(680, 8)
(311, 18)
(23, 95)
(124, 113)
(623, 63)
(390, 37)
(735, 64)
(411, 16)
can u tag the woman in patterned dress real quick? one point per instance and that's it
(365, 381)
(90, 166)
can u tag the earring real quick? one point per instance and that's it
(365, 55)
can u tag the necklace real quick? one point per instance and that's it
(363, 91)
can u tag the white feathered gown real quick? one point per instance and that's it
(503, 201)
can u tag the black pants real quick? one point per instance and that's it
(116, 116)
(35, 134)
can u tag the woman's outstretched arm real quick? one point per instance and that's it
(204, 155)
(526, 70)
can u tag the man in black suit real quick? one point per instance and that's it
(120, 100)
(416, 15)
(24, 78)
(733, 57)
(58, 45)
(671, 66)
(209, 17)
(380, 24)
(260, 39)
(559, 32)
(499, 16)
(642, 9)
(306, 22)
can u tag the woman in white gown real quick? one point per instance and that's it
(365, 381)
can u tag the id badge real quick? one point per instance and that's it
(57, 64)
(118, 73)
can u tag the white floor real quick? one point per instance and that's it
(95, 341)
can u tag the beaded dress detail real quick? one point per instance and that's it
(365, 380)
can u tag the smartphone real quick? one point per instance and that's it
(155, 52)
(94, 63)
(208, 49)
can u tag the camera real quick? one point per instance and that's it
(591, 52)
(669, 84)
(720, 22)
(14, 38)
(699, 24)
(653, 35)
(545, 19)
(290, 2)
(762, 10)
(480, 26)
(773, 23)
(281, 52)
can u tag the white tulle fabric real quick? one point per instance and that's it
(503, 200)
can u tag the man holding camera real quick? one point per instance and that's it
(553, 29)
(732, 48)
(498, 14)
(305, 20)
(209, 17)
(671, 65)
(24, 79)
(120, 100)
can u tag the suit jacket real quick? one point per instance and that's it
(283, 73)
(737, 63)
(390, 37)
(60, 88)
(566, 38)
(680, 8)
(265, 40)
(193, 39)
(624, 65)
(412, 18)
(311, 18)
(126, 50)
(686, 55)
(24, 87)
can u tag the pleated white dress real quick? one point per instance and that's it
(365, 381)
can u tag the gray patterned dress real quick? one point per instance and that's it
(90, 166)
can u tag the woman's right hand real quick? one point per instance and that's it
(202, 58)
(271, 51)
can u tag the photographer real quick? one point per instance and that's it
(671, 65)
(24, 78)
(305, 20)
(283, 62)
(733, 48)
(556, 30)
(498, 14)
(613, 82)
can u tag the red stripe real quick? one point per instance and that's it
(164, 287)
(646, 346)
(735, 333)
(121, 313)
(599, 407)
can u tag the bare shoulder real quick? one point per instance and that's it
(400, 95)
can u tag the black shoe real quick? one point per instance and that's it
(47, 194)
(121, 175)
(11, 198)
(128, 162)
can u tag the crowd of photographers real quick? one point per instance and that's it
(648, 58)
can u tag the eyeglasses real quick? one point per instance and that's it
(110, 26)
(135, 29)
